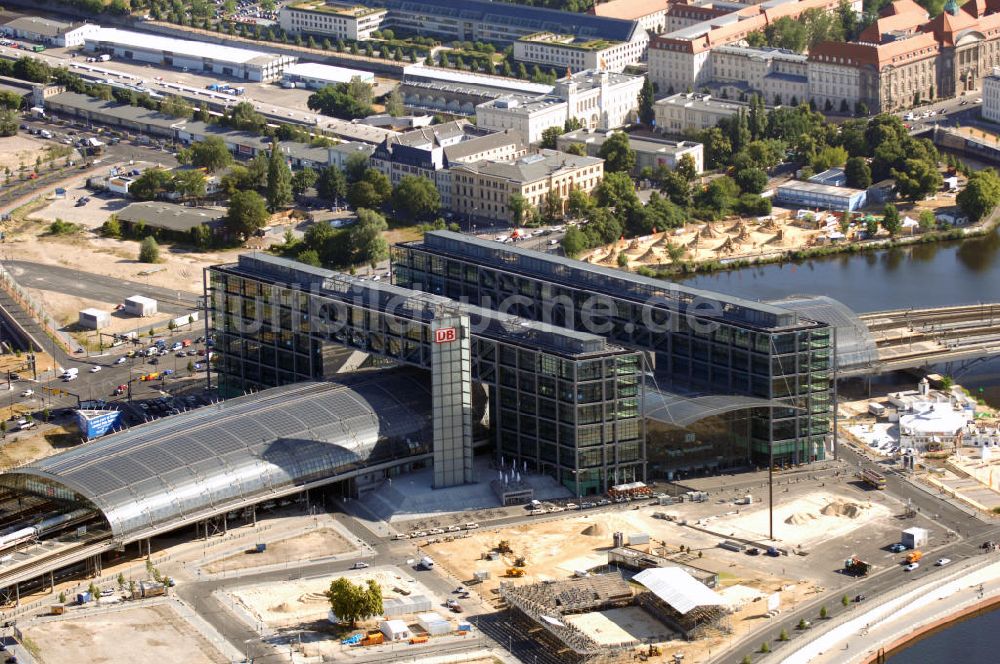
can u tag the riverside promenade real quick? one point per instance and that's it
(888, 624)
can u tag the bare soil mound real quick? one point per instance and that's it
(843, 508)
(595, 530)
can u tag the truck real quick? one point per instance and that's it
(70, 372)
(104, 57)
(914, 556)
(426, 563)
(857, 567)
(83, 598)
(872, 478)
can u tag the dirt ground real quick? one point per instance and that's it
(91, 215)
(146, 634)
(287, 603)
(620, 625)
(17, 150)
(308, 546)
(20, 448)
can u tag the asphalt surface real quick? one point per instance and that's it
(972, 532)
(97, 287)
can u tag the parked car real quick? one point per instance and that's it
(95, 369)
(911, 567)
(942, 562)
(897, 548)
(359, 565)
(120, 360)
(27, 393)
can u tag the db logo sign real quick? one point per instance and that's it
(445, 335)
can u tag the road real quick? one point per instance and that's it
(972, 530)
(94, 286)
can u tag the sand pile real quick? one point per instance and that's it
(800, 518)
(285, 607)
(843, 508)
(595, 530)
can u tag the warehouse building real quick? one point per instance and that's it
(796, 193)
(458, 92)
(48, 31)
(314, 76)
(169, 220)
(201, 57)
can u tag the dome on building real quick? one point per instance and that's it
(930, 419)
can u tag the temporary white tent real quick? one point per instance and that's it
(394, 630)
(433, 623)
(677, 588)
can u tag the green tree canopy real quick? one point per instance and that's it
(646, 98)
(303, 179)
(149, 250)
(372, 191)
(365, 238)
(151, 183)
(331, 184)
(917, 178)
(244, 117)
(981, 194)
(177, 107)
(247, 213)
(210, 154)
(618, 155)
(279, 179)
(549, 136)
(344, 100)
(416, 198)
(352, 602)
(890, 220)
(858, 173)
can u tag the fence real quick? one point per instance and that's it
(36, 310)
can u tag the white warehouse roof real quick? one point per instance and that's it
(677, 588)
(140, 299)
(932, 418)
(184, 47)
(326, 72)
(467, 78)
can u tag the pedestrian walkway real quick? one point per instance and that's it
(899, 618)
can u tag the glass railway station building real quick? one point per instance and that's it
(592, 375)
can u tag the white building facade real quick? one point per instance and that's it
(316, 17)
(566, 51)
(991, 96)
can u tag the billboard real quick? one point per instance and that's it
(96, 423)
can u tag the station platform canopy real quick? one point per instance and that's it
(171, 472)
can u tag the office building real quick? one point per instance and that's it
(650, 153)
(330, 19)
(569, 52)
(459, 92)
(796, 193)
(598, 99)
(197, 56)
(734, 379)
(482, 190)
(777, 75)
(49, 31)
(499, 22)
(650, 14)
(562, 402)
(991, 96)
(689, 111)
(431, 152)
(684, 59)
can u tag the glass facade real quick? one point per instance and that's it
(738, 347)
(573, 414)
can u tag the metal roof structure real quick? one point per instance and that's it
(531, 19)
(190, 466)
(611, 281)
(677, 588)
(854, 344)
(180, 47)
(419, 306)
(683, 410)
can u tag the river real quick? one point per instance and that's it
(927, 275)
(974, 641)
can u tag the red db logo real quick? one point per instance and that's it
(445, 335)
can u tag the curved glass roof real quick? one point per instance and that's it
(855, 345)
(201, 461)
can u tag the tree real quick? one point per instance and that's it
(617, 153)
(302, 180)
(578, 203)
(519, 207)
(309, 257)
(416, 198)
(344, 100)
(890, 220)
(858, 173)
(247, 213)
(829, 157)
(371, 192)
(927, 220)
(210, 154)
(845, 600)
(365, 238)
(189, 183)
(823, 612)
(177, 107)
(917, 178)
(331, 184)
(687, 168)
(765, 647)
(149, 250)
(579, 149)
(150, 184)
(751, 180)
(552, 206)
(646, 112)
(112, 227)
(981, 194)
(8, 122)
(871, 227)
(244, 117)
(617, 191)
(279, 179)
(784, 635)
(352, 602)
(394, 103)
(574, 242)
(549, 137)
(355, 166)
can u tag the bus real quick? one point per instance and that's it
(872, 478)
